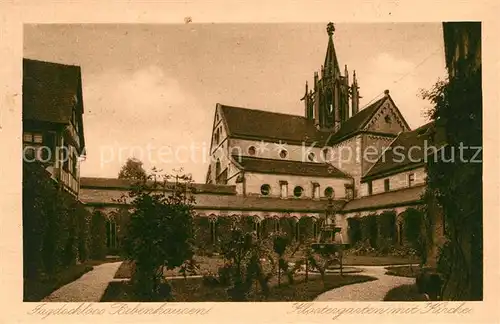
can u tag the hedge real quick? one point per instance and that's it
(56, 226)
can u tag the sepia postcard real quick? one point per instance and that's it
(221, 162)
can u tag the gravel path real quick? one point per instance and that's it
(366, 291)
(88, 288)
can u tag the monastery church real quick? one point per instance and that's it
(288, 172)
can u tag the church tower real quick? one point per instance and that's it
(328, 102)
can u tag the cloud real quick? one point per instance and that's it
(138, 113)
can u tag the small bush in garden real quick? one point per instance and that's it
(243, 255)
(159, 234)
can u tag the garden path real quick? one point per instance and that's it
(366, 291)
(88, 288)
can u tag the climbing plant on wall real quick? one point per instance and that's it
(454, 183)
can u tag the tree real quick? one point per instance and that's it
(160, 232)
(455, 184)
(132, 169)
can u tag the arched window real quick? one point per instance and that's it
(297, 191)
(326, 155)
(265, 189)
(213, 230)
(329, 192)
(111, 239)
(315, 228)
(217, 168)
(297, 231)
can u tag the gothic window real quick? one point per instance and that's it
(297, 231)
(265, 189)
(297, 191)
(326, 155)
(217, 168)
(329, 192)
(111, 239)
(311, 157)
(251, 150)
(283, 154)
(315, 228)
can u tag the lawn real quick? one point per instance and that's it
(403, 271)
(193, 289)
(208, 265)
(37, 289)
(362, 260)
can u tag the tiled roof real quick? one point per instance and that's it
(289, 167)
(113, 183)
(49, 90)
(386, 199)
(245, 122)
(259, 124)
(355, 123)
(402, 153)
(266, 204)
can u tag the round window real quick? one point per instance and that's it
(265, 189)
(311, 157)
(283, 154)
(329, 192)
(297, 192)
(251, 150)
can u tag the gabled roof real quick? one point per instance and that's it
(260, 165)
(407, 150)
(50, 90)
(400, 197)
(355, 123)
(124, 184)
(266, 125)
(259, 124)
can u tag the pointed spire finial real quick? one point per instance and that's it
(330, 28)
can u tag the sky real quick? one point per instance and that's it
(150, 91)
